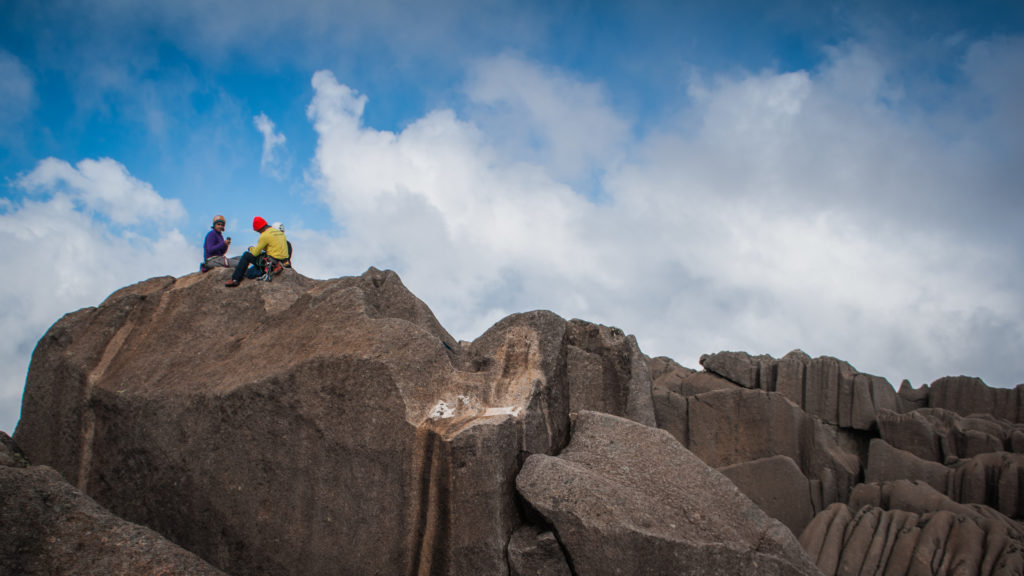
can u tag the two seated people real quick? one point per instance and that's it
(271, 254)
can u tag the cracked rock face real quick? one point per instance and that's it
(322, 427)
(907, 527)
(801, 435)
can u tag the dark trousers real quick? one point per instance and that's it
(243, 265)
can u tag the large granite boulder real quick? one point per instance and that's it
(52, 529)
(628, 499)
(299, 426)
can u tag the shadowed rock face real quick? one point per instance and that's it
(297, 426)
(52, 529)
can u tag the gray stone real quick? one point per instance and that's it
(533, 551)
(907, 527)
(728, 427)
(52, 529)
(887, 463)
(608, 372)
(628, 499)
(738, 367)
(778, 487)
(913, 432)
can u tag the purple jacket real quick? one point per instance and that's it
(214, 245)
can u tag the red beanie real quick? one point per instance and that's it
(258, 223)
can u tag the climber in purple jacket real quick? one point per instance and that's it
(215, 248)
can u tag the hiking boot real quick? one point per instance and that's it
(232, 283)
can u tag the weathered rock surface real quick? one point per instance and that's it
(297, 426)
(909, 528)
(825, 387)
(949, 437)
(325, 427)
(966, 395)
(992, 479)
(778, 487)
(629, 499)
(734, 426)
(52, 529)
(944, 436)
(533, 551)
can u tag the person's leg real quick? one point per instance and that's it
(243, 265)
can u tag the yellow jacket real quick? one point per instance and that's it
(273, 241)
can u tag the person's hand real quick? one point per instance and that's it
(228, 240)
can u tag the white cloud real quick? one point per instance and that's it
(74, 258)
(545, 117)
(782, 211)
(274, 161)
(438, 204)
(105, 187)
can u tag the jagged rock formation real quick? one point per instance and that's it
(316, 427)
(324, 427)
(52, 529)
(941, 435)
(967, 395)
(907, 527)
(801, 433)
(736, 428)
(992, 479)
(825, 387)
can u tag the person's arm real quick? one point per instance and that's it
(261, 244)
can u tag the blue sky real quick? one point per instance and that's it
(844, 178)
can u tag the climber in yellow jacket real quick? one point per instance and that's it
(272, 241)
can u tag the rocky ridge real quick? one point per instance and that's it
(325, 427)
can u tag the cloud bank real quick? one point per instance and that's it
(779, 210)
(838, 209)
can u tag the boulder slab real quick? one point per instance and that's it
(628, 499)
(52, 529)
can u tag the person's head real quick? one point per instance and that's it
(218, 223)
(258, 224)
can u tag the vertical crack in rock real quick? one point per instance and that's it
(88, 429)
(428, 540)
